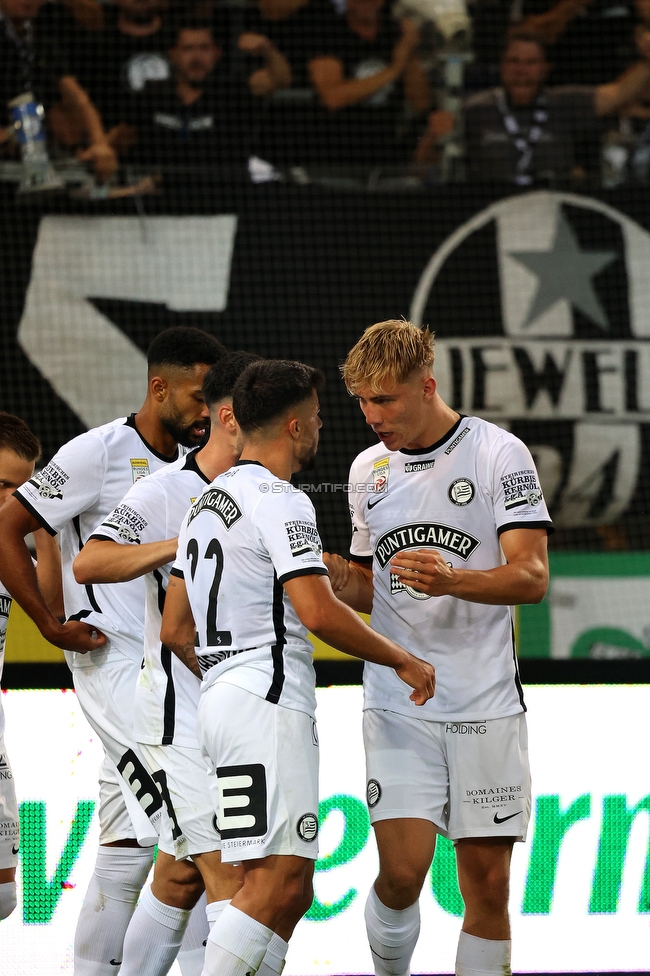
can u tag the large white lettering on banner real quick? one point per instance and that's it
(181, 263)
(580, 894)
(569, 344)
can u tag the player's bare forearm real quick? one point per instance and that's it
(187, 654)
(48, 571)
(351, 582)
(524, 578)
(339, 625)
(105, 561)
(19, 576)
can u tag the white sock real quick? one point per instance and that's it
(108, 906)
(192, 950)
(392, 935)
(7, 898)
(153, 937)
(274, 958)
(236, 944)
(214, 910)
(479, 956)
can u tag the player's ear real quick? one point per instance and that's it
(226, 416)
(159, 388)
(429, 387)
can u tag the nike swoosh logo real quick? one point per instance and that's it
(372, 504)
(114, 962)
(500, 820)
(14, 850)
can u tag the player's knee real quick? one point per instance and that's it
(178, 883)
(404, 880)
(7, 899)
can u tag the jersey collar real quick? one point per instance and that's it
(191, 464)
(130, 422)
(434, 447)
(249, 461)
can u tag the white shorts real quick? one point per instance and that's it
(263, 774)
(190, 826)
(129, 798)
(471, 779)
(9, 821)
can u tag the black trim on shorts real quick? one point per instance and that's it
(362, 560)
(90, 593)
(518, 685)
(130, 422)
(550, 528)
(169, 706)
(37, 515)
(307, 571)
(175, 571)
(277, 651)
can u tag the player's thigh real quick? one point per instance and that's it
(263, 772)
(406, 768)
(489, 778)
(9, 819)
(182, 778)
(406, 848)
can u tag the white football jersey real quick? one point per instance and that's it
(5, 607)
(247, 535)
(457, 496)
(167, 693)
(72, 494)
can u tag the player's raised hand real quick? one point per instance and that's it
(75, 635)
(420, 675)
(424, 570)
(339, 570)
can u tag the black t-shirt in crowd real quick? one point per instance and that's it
(491, 153)
(36, 64)
(370, 131)
(113, 66)
(215, 133)
(292, 37)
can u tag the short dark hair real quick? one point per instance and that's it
(183, 21)
(16, 436)
(184, 347)
(268, 388)
(526, 36)
(220, 379)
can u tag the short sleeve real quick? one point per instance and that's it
(360, 547)
(140, 516)
(69, 485)
(286, 524)
(516, 491)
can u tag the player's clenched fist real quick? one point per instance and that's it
(424, 570)
(420, 675)
(77, 636)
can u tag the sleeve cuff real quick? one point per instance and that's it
(363, 560)
(175, 571)
(307, 571)
(37, 515)
(550, 529)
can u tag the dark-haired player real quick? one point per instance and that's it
(19, 451)
(247, 583)
(138, 537)
(103, 635)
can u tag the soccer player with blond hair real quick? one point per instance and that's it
(449, 533)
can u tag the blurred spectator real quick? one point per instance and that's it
(284, 25)
(365, 69)
(31, 61)
(199, 117)
(118, 60)
(523, 131)
(588, 41)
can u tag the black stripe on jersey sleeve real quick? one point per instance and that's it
(277, 651)
(550, 528)
(37, 515)
(174, 571)
(307, 571)
(102, 538)
(169, 706)
(362, 560)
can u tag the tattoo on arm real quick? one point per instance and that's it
(187, 654)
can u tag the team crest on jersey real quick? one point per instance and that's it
(461, 492)
(307, 827)
(521, 488)
(220, 503)
(139, 468)
(380, 472)
(396, 586)
(50, 481)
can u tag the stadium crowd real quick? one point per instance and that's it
(516, 91)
